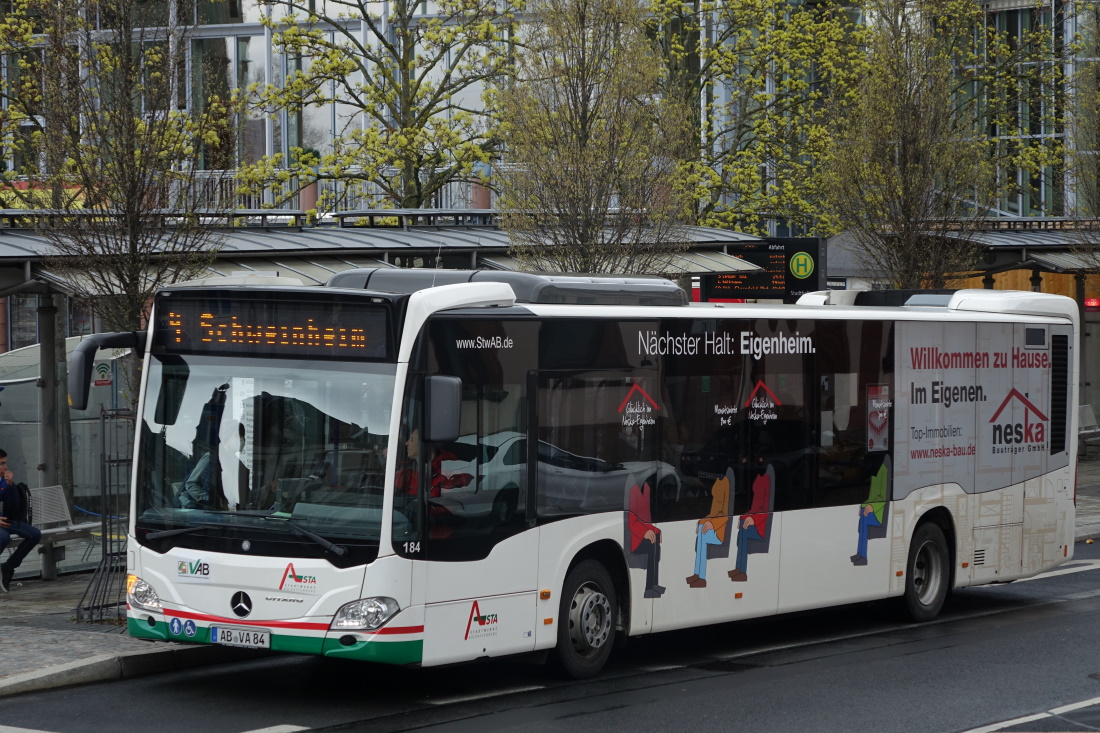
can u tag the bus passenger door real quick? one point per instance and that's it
(479, 578)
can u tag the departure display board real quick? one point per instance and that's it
(272, 327)
(791, 267)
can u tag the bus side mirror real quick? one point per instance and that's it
(443, 402)
(82, 359)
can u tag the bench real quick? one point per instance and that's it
(1087, 428)
(51, 516)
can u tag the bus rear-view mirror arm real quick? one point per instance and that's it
(83, 357)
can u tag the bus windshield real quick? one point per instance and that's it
(230, 444)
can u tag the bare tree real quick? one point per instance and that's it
(939, 128)
(594, 181)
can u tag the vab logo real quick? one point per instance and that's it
(484, 623)
(196, 569)
(297, 583)
(1031, 431)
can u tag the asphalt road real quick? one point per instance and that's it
(997, 653)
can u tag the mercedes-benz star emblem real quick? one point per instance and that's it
(241, 603)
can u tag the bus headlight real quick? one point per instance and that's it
(140, 594)
(366, 614)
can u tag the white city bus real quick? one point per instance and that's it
(428, 467)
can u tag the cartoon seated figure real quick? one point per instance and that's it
(754, 525)
(871, 511)
(712, 528)
(644, 537)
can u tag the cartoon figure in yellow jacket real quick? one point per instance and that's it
(711, 529)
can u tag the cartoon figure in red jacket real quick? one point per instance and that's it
(645, 538)
(754, 525)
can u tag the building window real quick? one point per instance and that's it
(22, 320)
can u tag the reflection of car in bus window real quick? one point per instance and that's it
(567, 483)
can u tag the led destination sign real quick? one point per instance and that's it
(272, 327)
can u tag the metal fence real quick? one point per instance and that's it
(105, 597)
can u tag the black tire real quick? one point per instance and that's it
(586, 621)
(927, 574)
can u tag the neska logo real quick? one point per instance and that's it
(488, 619)
(196, 568)
(1032, 430)
(297, 582)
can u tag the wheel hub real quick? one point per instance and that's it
(926, 573)
(589, 620)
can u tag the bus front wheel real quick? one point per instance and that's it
(586, 620)
(928, 573)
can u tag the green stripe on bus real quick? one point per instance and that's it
(140, 628)
(386, 652)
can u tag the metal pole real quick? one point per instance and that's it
(104, 489)
(1082, 377)
(47, 395)
(47, 412)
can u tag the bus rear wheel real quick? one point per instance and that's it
(586, 620)
(927, 574)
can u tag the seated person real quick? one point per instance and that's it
(711, 529)
(754, 525)
(200, 489)
(408, 477)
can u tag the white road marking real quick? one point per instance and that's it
(1007, 723)
(9, 729)
(275, 729)
(1078, 566)
(1075, 706)
(1038, 716)
(480, 696)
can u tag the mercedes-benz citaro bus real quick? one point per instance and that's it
(428, 467)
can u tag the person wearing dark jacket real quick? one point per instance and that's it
(12, 514)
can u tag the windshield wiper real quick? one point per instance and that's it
(182, 530)
(332, 547)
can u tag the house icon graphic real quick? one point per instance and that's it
(756, 390)
(1029, 407)
(1008, 431)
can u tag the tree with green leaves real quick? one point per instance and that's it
(594, 179)
(410, 82)
(938, 132)
(1083, 165)
(758, 72)
(96, 128)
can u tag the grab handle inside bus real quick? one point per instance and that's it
(443, 407)
(83, 358)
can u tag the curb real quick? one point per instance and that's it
(110, 667)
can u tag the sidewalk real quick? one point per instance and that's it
(42, 646)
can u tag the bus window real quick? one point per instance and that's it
(478, 492)
(775, 398)
(598, 438)
(852, 361)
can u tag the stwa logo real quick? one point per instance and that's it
(1031, 431)
(299, 583)
(489, 619)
